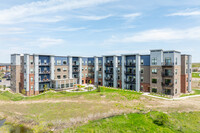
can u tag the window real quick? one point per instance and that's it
(99, 75)
(45, 61)
(141, 88)
(64, 69)
(154, 61)
(154, 71)
(58, 62)
(176, 81)
(31, 62)
(31, 70)
(118, 77)
(39, 62)
(142, 62)
(62, 86)
(176, 71)
(31, 87)
(142, 70)
(31, 79)
(64, 76)
(85, 68)
(168, 60)
(58, 70)
(154, 81)
(176, 91)
(58, 77)
(176, 60)
(100, 69)
(100, 62)
(142, 79)
(64, 62)
(154, 90)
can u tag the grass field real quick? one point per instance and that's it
(57, 111)
(195, 75)
(152, 122)
(196, 65)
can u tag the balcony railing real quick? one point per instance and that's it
(44, 80)
(167, 84)
(108, 79)
(131, 64)
(45, 72)
(108, 71)
(130, 72)
(90, 64)
(169, 74)
(167, 64)
(127, 81)
(76, 71)
(109, 64)
(43, 64)
(75, 64)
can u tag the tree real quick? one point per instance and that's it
(4, 87)
(23, 91)
(45, 88)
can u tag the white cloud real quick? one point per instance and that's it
(47, 42)
(185, 13)
(94, 17)
(159, 35)
(12, 30)
(17, 13)
(132, 16)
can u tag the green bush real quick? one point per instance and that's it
(161, 119)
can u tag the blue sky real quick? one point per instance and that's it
(98, 27)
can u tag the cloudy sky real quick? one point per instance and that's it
(98, 27)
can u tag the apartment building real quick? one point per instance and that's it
(166, 72)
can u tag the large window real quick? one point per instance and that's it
(58, 62)
(154, 61)
(64, 62)
(142, 62)
(58, 70)
(154, 81)
(64, 76)
(154, 90)
(58, 77)
(154, 71)
(64, 69)
(142, 70)
(168, 60)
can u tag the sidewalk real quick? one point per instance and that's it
(170, 99)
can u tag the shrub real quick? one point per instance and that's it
(161, 119)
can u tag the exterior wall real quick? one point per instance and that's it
(157, 76)
(15, 73)
(62, 73)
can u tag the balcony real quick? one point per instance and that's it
(44, 64)
(76, 71)
(75, 64)
(91, 77)
(108, 79)
(91, 70)
(44, 80)
(90, 64)
(167, 84)
(167, 74)
(109, 64)
(130, 73)
(129, 81)
(108, 71)
(45, 72)
(130, 64)
(167, 64)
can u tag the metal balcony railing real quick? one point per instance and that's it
(109, 71)
(167, 84)
(127, 81)
(109, 64)
(108, 79)
(167, 74)
(45, 72)
(167, 64)
(130, 64)
(130, 72)
(44, 80)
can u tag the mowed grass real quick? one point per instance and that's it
(196, 92)
(195, 75)
(152, 122)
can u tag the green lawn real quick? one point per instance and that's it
(196, 92)
(195, 75)
(153, 122)
(196, 65)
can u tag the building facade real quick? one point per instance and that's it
(166, 72)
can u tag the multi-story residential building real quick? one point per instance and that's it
(166, 72)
